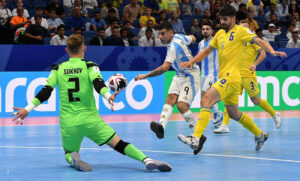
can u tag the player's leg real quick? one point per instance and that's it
(158, 128)
(224, 127)
(71, 141)
(187, 114)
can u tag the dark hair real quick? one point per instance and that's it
(165, 25)
(39, 8)
(149, 30)
(291, 24)
(37, 16)
(101, 29)
(123, 29)
(114, 20)
(61, 26)
(125, 22)
(111, 10)
(149, 21)
(242, 5)
(114, 27)
(258, 30)
(227, 10)
(207, 24)
(77, 28)
(295, 32)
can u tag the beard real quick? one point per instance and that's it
(224, 27)
(206, 36)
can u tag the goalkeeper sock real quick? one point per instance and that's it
(68, 158)
(129, 150)
(190, 119)
(165, 115)
(267, 107)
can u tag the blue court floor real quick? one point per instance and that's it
(35, 153)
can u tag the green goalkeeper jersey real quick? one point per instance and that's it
(75, 84)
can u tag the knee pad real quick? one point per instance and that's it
(120, 147)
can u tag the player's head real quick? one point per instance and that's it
(75, 45)
(165, 31)
(244, 23)
(207, 30)
(227, 17)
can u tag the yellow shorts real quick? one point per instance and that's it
(228, 91)
(250, 85)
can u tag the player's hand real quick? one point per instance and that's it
(252, 67)
(112, 99)
(140, 77)
(278, 53)
(185, 65)
(20, 115)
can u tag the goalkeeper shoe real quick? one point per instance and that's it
(259, 140)
(79, 164)
(157, 129)
(194, 142)
(155, 164)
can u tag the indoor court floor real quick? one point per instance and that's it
(33, 151)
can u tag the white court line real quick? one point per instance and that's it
(158, 151)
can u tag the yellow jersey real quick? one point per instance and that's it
(229, 45)
(247, 58)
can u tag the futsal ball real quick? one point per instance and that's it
(117, 82)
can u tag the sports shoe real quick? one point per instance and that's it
(79, 164)
(277, 120)
(219, 118)
(222, 129)
(259, 140)
(157, 129)
(195, 143)
(155, 164)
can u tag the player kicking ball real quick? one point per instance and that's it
(79, 116)
(185, 83)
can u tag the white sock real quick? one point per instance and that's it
(146, 160)
(215, 110)
(190, 119)
(165, 115)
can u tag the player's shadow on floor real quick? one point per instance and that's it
(110, 167)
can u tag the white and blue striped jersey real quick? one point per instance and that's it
(210, 65)
(178, 52)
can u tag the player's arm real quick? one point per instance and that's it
(261, 57)
(267, 47)
(198, 58)
(158, 71)
(41, 96)
(193, 38)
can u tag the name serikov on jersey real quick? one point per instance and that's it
(73, 71)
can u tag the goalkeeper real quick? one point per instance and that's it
(79, 117)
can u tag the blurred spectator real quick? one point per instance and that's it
(90, 4)
(60, 38)
(131, 11)
(216, 9)
(272, 11)
(114, 39)
(163, 6)
(35, 33)
(271, 32)
(146, 17)
(97, 22)
(19, 3)
(53, 21)
(149, 25)
(68, 3)
(173, 6)
(201, 6)
(274, 20)
(39, 12)
(110, 4)
(162, 17)
(195, 28)
(126, 40)
(78, 4)
(260, 34)
(127, 26)
(296, 20)
(114, 24)
(253, 25)
(77, 31)
(99, 39)
(177, 23)
(5, 13)
(235, 4)
(241, 13)
(283, 10)
(152, 4)
(19, 20)
(256, 6)
(60, 12)
(112, 15)
(186, 8)
(291, 29)
(294, 42)
(76, 20)
(293, 7)
(149, 39)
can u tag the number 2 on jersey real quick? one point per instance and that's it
(71, 91)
